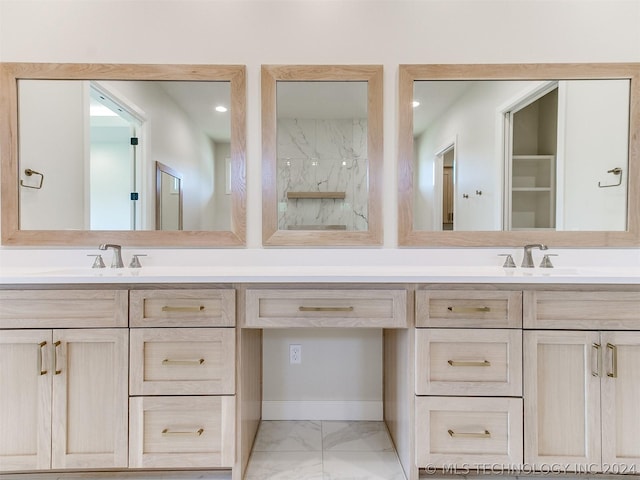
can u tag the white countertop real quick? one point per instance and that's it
(322, 274)
(72, 266)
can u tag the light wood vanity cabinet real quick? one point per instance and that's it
(474, 366)
(582, 386)
(182, 383)
(64, 389)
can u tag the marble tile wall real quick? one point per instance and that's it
(322, 156)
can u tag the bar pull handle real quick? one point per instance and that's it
(614, 361)
(463, 363)
(485, 434)
(468, 309)
(595, 348)
(168, 361)
(57, 370)
(325, 309)
(168, 433)
(41, 371)
(169, 308)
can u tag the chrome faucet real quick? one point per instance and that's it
(117, 254)
(527, 259)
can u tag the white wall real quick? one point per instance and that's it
(596, 140)
(255, 32)
(53, 120)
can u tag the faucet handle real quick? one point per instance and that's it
(508, 261)
(98, 262)
(546, 261)
(135, 262)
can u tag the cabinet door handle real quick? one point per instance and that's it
(325, 309)
(41, 370)
(485, 434)
(463, 363)
(56, 370)
(614, 361)
(169, 308)
(168, 433)
(595, 348)
(168, 361)
(468, 309)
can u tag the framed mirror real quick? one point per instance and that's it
(168, 198)
(505, 155)
(80, 145)
(321, 155)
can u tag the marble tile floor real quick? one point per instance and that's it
(323, 450)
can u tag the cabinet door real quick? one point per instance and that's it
(562, 397)
(25, 400)
(620, 402)
(90, 398)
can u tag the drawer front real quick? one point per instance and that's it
(179, 431)
(63, 308)
(468, 308)
(326, 308)
(582, 310)
(468, 431)
(469, 362)
(182, 361)
(183, 308)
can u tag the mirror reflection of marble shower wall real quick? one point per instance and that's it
(322, 156)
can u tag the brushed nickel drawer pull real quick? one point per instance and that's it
(168, 361)
(57, 370)
(468, 309)
(168, 433)
(595, 348)
(462, 363)
(485, 434)
(325, 309)
(169, 308)
(614, 361)
(41, 358)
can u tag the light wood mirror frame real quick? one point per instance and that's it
(409, 237)
(10, 73)
(271, 74)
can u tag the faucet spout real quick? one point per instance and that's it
(117, 254)
(527, 259)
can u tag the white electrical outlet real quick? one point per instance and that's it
(295, 354)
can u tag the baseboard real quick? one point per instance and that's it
(321, 410)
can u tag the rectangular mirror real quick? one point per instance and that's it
(519, 153)
(81, 169)
(322, 151)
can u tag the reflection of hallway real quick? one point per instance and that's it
(323, 450)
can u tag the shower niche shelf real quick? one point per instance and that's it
(316, 195)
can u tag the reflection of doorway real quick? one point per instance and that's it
(113, 164)
(445, 186)
(531, 151)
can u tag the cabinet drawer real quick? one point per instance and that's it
(182, 361)
(582, 310)
(468, 431)
(326, 308)
(468, 308)
(182, 308)
(469, 362)
(63, 308)
(168, 432)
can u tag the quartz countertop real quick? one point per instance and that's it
(323, 274)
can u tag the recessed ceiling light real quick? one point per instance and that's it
(416, 104)
(221, 109)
